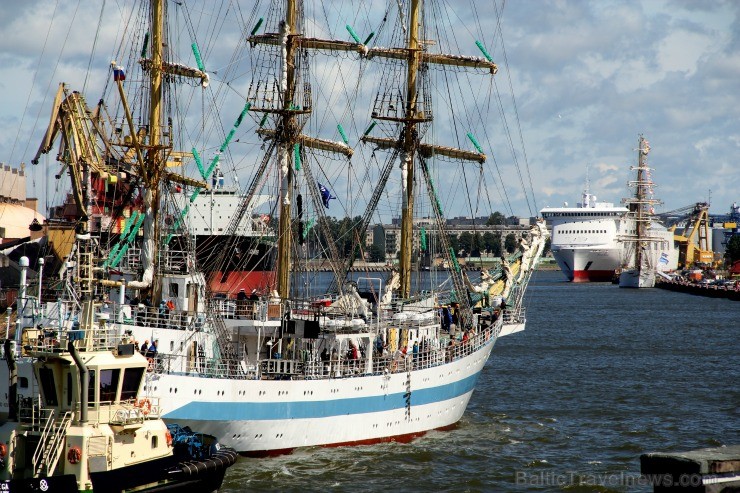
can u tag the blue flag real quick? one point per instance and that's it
(119, 73)
(326, 195)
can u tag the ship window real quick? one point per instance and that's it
(91, 389)
(24, 382)
(131, 383)
(154, 441)
(109, 384)
(174, 290)
(46, 375)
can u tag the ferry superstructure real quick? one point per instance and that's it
(584, 238)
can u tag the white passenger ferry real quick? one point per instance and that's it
(584, 238)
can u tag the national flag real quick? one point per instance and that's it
(663, 258)
(119, 73)
(326, 195)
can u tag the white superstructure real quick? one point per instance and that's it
(584, 238)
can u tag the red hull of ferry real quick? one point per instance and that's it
(592, 275)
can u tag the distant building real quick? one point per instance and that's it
(388, 236)
(16, 211)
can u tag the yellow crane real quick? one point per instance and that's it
(693, 243)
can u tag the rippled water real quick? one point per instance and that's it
(600, 376)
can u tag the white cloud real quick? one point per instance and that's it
(589, 76)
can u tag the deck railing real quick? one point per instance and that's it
(435, 353)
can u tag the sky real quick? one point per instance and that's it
(588, 78)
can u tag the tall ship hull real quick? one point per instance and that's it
(636, 278)
(270, 416)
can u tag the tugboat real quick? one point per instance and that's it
(78, 422)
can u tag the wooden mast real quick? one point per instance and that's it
(409, 148)
(640, 196)
(285, 145)
(153, 157)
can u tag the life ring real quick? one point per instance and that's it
(150, 365)
(145, 405)
(168, 438)
(3, 450)
(74, 455)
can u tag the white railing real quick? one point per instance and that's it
(51, 440)
(338, 367)
(131, 411)
(52, 340)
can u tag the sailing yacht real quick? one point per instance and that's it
(282, 368)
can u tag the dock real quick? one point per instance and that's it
(697, 289)
(709, 470)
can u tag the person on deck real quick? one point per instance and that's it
(145, 346)
(454, 312)
(241, 302)
(152, 351)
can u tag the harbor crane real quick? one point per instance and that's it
(693, 243)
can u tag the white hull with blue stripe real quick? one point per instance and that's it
(398, 400)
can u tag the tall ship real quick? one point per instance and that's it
(585, 238)
(647, 247)
(369, 359)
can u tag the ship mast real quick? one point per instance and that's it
(640, 196)
(288, 125)
(640, 206)
(290, 119)
(407, 156)
(150, 165)
(153, 158)
(408, 144)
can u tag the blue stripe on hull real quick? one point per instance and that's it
(253, 411)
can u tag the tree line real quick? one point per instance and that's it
(345, 232)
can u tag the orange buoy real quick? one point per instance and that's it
(74, 455)
(145, 405)
(3, 450)
(168, 438)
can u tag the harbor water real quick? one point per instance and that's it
(600, 376)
